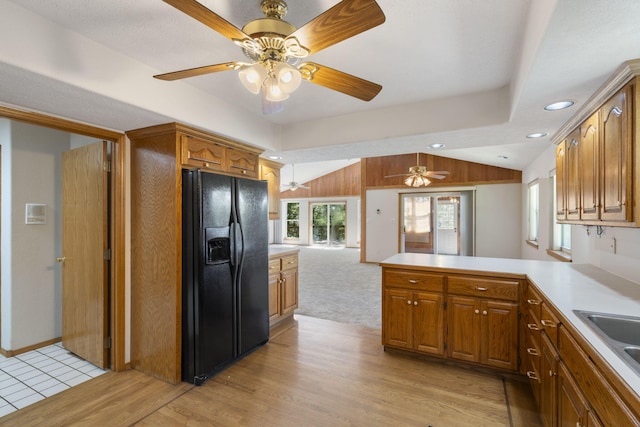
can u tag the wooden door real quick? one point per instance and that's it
(289, 290)
(428, 323)
(397, 318)
(573, 177)
(84, 244)
(548, 382)
(616, 155)
(588, 169)
(561, 182)
(571, 404)
(464, 328)
(499, 334)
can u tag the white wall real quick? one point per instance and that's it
(31, 284)
(352, 229)
(586, 246)
(498, 221)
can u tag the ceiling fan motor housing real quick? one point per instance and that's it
(273, 8)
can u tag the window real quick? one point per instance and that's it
(534, 211)
(293, 220)
(561, 240)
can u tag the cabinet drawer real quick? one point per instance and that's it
(414, 280)
(549, 323)
(533, 300)
(289, 262)
(202, 154)
(274, 265)
(484, 287)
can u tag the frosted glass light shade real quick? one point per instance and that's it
(288, 77)
(252, 77)
(274, 92)
(416, 181)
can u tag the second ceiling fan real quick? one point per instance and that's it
(277, 50)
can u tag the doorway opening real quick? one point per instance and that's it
(328, 224)
(438, 223)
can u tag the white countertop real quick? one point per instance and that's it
(282, 249)
(568, 286)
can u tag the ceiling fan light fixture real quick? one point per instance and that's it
(252, 77)
(416, 181)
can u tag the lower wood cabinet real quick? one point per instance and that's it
(422, 314)
(483, 331)
(283, 286)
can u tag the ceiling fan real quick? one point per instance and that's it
(418, 176)
(276, 49)
(293, 185)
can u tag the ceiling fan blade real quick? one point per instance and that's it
(399, 174)
(346, 19)
(198, 71)
(436, 176)
(208, 18)
(438, 172)
(339, 81)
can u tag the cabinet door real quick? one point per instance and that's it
(616, 158)
(548, 382)
(573, 178)
(397, 318)
(202, 154)
(499, 334)
(561, 182)
(289, 290)
(274, 295)
(428, 323)
(464, 328)
(588, 169)
(272, 175)
(571, 404)
(240, 162)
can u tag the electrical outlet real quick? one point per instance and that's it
(612, 245)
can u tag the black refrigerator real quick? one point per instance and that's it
(225, 292)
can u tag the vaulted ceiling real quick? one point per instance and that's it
(471, 74)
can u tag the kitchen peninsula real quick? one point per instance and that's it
(283, 287)
(490, 312)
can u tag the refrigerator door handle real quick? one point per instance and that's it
(232, 244)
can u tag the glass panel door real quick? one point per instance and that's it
(448, 230)
(328, 223)
(417, 227)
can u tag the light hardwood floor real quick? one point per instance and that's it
(318, 373)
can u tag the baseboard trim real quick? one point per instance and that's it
(11, 353)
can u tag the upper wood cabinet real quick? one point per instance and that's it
(270, 172)
(588, 168)
(597, 167)
(616, 158)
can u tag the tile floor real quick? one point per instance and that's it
(38, 374)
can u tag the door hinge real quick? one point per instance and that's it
(107, 254)
(107, 166)
(107, 342)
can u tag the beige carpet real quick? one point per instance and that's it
(334, 285)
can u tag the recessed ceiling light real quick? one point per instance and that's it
(437, 145)
(502, 157)
(275, 157)
(537, 135)
(560, 105)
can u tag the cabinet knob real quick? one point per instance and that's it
(532, 351)
(533, 302)
(484, 312)
(413, 281)
(548, 323)
(551, 373)
(476, 311)
(206, 165)
(481, 289)
(533, 327)
(532, 375)
(409, 302)
(415, 303)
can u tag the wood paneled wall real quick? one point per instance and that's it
(460, 171)
(343, 182)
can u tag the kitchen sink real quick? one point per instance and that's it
(620, 333)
